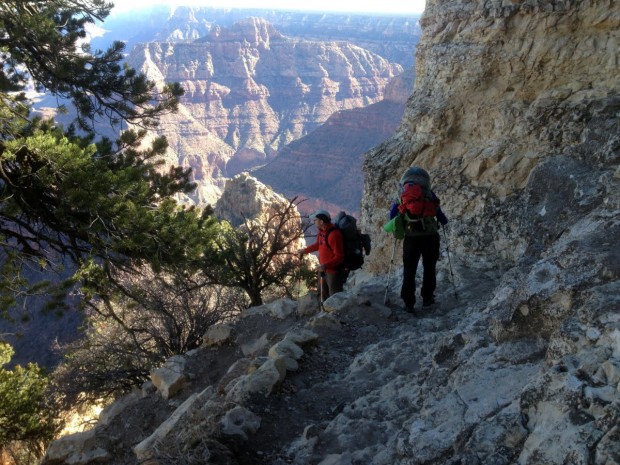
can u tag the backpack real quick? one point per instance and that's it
(356, 244)
(418, 204)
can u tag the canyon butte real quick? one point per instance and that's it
(251, 90)
(515, 114)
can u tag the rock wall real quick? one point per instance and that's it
(326, 165)
(392, 37)
(245, 198)
(514, 113)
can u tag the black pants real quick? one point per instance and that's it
(415, 247)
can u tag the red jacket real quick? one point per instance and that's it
(331, 251)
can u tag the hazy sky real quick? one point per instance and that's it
(362, 6)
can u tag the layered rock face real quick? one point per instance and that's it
(326, 165)
(392, 37)
(514, 114)
(245, 198)
(251, 90)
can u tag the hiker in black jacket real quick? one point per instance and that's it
(421, 211)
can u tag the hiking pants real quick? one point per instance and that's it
(331, 283)
(415, 247)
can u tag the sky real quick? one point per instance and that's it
(353, 6)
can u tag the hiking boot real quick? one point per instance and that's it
(428, 301)
(408, 306)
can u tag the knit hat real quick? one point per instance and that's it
(321, 215)
(416, 175)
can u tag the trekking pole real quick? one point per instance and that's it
(387, 283)
(299, 284)
(321, 277)
(299, 281)
(445, 236)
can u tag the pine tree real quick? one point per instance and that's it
(67, 195)
(26, 416)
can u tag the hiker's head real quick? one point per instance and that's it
(321, 218)
(416, 175)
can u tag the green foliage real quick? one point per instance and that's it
(25, 415)
(155, 275)
(68, 200)
(260, 256)
(78, 205)
(41, 40)
(81, 202)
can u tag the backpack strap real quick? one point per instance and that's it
(326, 238)
(327, 233)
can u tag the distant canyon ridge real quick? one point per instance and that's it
(297, 108)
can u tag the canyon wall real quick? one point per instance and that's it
(325, 167)
(392, 37)
(514, 114)
(202, 147)
(251, 90)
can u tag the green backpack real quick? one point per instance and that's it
(396, 226)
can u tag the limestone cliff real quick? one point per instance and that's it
(245, 198)
(250, 91)
(515, 114)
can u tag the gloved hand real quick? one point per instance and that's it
(441, 217)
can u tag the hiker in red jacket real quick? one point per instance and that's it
(330, 246)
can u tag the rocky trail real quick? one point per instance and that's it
(302, 406)
(310, 398)
(365, 383)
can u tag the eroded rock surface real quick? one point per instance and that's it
(369, 383)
